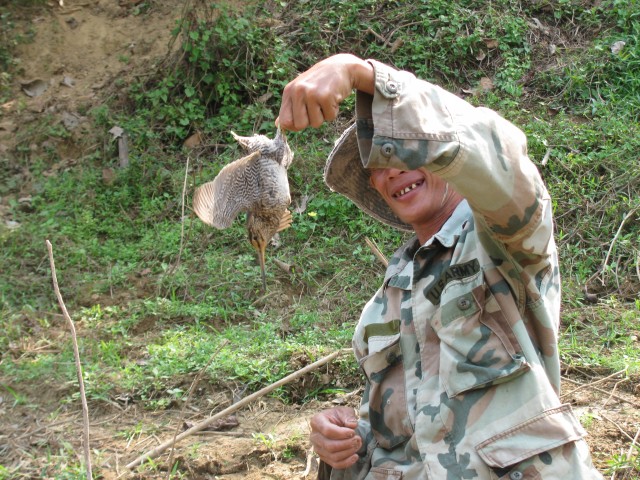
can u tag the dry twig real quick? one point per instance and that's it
(601, 390)
(376, 251)
(622, 431)
(591, 384)
(76, 354)
(633, 444)
(613, 391)
(184, 191)
(233, 408)
(615, 238)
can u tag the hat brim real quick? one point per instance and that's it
(344, 173)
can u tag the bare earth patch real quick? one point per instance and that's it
(80, 50)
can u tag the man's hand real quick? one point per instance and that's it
(334, 438)
(315, 95)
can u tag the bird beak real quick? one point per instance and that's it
(261, 256)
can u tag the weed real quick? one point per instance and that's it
(625, 465)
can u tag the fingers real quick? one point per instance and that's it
(304, 105)
(337, 453)
(314, 96)
(333, 437)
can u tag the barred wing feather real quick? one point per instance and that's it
(235, 189)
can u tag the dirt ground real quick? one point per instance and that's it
(79, 50)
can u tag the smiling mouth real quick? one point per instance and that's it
(407, 189)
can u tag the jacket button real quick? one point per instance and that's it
(463, 304)
(387, 149)
(517, 475)
(392, 87)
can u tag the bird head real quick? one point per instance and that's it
(261, 230)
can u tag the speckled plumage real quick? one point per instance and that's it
(256, 184)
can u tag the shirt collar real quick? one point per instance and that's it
(447, 236)
(452, 228)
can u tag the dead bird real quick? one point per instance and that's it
(256, 184)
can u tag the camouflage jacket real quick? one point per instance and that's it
(459, 345)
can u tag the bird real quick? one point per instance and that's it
(256, 184)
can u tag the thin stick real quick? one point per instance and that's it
(76, 354)
(586, 385)
(184, 190)
(613, 391)
(615, 237)
(233, 408)
(601, 390)
(376, 251)
(633, 444)
(192, 389)
(617, 426)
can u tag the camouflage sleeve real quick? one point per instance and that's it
(413, 124)
(364, 427)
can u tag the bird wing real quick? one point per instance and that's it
(235, 189)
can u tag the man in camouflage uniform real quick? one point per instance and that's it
(459, 345)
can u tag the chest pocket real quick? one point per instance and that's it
(477, 345)
(387, 401)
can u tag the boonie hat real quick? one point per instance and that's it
(344, 173)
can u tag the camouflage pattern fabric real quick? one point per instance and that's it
(459, 345)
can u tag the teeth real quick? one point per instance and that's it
(406, 189)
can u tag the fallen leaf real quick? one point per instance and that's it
(193, 141)
(486, 84)
(116, 131)
(491, 42)
(34, 88)
(617, 47)
(8, 106)
(302, 204)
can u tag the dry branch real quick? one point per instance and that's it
(592, 384)
(601, 390)
(233, 408)
(76, 354)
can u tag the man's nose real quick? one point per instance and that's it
(388, 172)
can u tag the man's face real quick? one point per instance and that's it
(417, 197)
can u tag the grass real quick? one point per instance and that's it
(153, 295)
(604, 336)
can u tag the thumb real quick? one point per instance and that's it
(346, 417)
